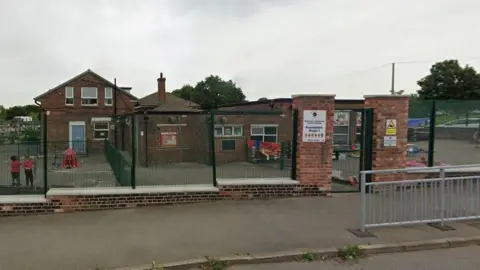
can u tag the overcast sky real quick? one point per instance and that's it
(272, 48)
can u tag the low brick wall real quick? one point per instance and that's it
(242, 192)
(90, 202)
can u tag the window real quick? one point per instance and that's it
(108, 96)
(68, 95)
(89, 96)
(100, 130)
(340, 135)
(341, 124)
(228, 131)
(264, 133)
(228, 144)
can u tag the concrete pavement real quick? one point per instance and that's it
(465, 258)
(108, 239)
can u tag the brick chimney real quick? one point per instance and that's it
(161, 88)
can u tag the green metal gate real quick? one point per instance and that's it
(352, 148)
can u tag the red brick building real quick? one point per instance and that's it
(79, 111)
(171, 129)
(168, 128)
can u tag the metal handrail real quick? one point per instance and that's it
(414, 194)
(419, 169)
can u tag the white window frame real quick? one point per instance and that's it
(95, 129)
(86, 98)
(347, 135)
(67, 96)
(108, 89)
(227, 126)
(263, 134)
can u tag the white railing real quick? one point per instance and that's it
(434, 200)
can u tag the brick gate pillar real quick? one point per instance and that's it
(315, 139)
(390, 129)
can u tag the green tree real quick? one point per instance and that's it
(27, 110)
(262, 99)
(185, 92)
(211, 92)
(448, 80)
(419, 108)
(2, 113)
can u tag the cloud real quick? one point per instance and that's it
(272, 48)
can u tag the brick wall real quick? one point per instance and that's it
(192, 138)
(77, 203)
(392, 157)
(314, 159)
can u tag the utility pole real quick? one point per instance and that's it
(392, 90)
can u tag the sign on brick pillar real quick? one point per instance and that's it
(315, 139)
(390, 129)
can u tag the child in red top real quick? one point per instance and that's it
(15, 170)
(28, 168)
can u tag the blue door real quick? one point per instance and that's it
(78, 138)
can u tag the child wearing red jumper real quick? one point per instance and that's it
(15, 170)
(28, 167)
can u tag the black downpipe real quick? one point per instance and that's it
(145, 122)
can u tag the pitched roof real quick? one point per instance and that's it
(88, 71)
(172, 103)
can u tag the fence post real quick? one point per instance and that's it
(122, 135)
(134, 153)
(115, 130)
(293, 175)
(45, 154)
(363, 200)
(212, 147)
(431, 134)
(282, 155)
(442, 197)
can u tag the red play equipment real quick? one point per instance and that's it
(69, 159)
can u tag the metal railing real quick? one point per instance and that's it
(407, 202)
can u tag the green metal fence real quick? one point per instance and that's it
(456, 133)
(443, 132)
(121, 167)
(165, 148)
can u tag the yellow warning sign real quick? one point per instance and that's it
(391, 128)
